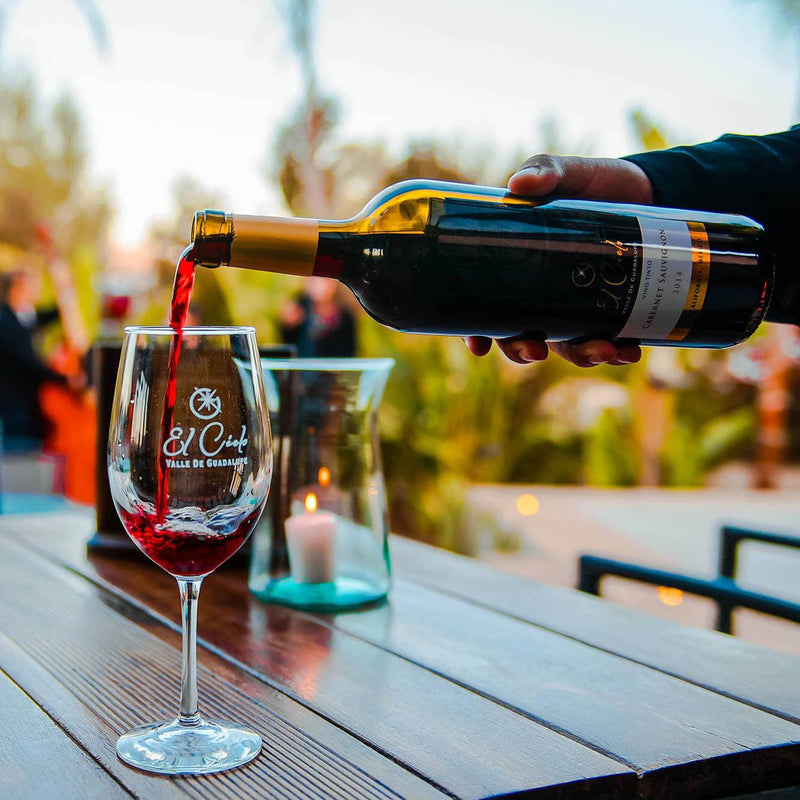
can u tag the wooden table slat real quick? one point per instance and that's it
(30, 742)
(468, 682)
(724, 664)
(456, 739)
(82, 726)
(122, 676)
(642, 717)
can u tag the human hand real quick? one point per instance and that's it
(551, 177)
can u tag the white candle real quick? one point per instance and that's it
(311, 539)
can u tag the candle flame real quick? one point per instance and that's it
(311, 502)
(324, 476)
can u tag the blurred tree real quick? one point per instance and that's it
(87, 8)
(43, 156)
(320, 178)
(786, 23)
(779, 369)
(43, 180)
(650, 134)
(169, 238)
(305, 182)
(43, 168)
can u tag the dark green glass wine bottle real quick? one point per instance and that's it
(454, 259)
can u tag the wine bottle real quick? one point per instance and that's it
(448, 258)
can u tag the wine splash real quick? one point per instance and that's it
(179, 308)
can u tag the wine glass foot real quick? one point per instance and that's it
(173, 748)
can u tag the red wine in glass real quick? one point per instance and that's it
(181, 553)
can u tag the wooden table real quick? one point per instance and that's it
(468, 683)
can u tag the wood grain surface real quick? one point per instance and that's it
(722, 663)
(464, 684)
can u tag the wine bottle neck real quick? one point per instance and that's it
(274, 244)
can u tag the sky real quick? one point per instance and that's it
(195, 87)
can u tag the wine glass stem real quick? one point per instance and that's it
(190, 590)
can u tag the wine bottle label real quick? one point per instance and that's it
(701, 268)
(673, 281)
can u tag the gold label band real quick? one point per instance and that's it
(275, 244)
(701, 269)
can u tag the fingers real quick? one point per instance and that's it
(478, 345)
(609, 179)
(517, 350)
(586, 354)
(590, 354)
(627, 354)
(544, 174)
(523, 351)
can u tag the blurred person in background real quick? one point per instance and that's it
(22, 370)
(757, 176)
(318, 322)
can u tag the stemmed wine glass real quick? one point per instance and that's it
(189, 464)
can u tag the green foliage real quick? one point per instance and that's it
(727, 435)
(43, 170)
(707, 433)
(447, 418)
(43, 181)
(608, 458)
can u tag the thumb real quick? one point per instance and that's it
(610, 179)
(538, 176)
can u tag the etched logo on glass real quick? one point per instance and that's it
(208, 445)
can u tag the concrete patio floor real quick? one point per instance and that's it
(672, 529)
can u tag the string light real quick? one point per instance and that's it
(669, 596)
(527, 505)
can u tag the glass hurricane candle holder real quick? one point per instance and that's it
(322, 542)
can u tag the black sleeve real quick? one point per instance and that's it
(758, 176)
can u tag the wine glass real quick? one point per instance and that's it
(189, 464)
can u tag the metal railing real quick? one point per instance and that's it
(722, 589)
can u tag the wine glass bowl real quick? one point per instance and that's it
(189, 463)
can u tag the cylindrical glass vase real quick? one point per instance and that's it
(322, 541)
